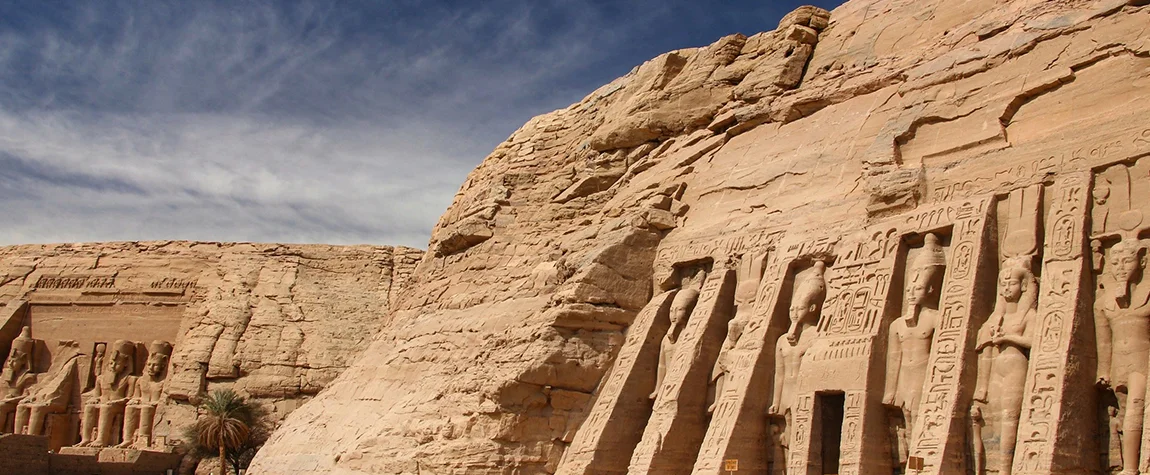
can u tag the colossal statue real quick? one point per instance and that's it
(806, 307)
(17, 377)
(910, 336)
(1122, 326)
(139, 416)
(681, 308)
(50, 395)
(109, 399)
(1003, 347)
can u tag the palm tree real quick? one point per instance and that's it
(226, 425)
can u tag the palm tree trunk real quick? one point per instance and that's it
(223, 460)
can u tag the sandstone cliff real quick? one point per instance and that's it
(789, 140)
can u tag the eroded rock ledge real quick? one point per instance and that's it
(885, 145)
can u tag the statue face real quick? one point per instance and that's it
(156, 365)
(799, 311)
(1125, 265)
(916, 291)
(1010, 286)
(119, 363)
(734, 330)
(17, 360)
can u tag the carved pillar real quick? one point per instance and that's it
(604, 443)
(738, 427)
(942, 418)
(678, 422)
(1056, 404)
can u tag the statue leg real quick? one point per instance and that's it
(105, 428)
(131, 423)
(88, 425)
(979, 448)
(1008, 426)
(21, 419)
(1132, 422)
(6, 411)
(36, 420)
(147, 419)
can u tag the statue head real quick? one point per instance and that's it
(20, 356)
(735, 330)
(121, 361)
(159, 354)
(1127, 259)
(682, 306)
(808, 299)
(926, 273)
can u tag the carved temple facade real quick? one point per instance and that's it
(998, 333)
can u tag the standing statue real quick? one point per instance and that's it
(109, 398)
(140, 414)
(1122, 325)
(681, 308)
(806, 306)
(1004, 347)
(17, 377)
(725, 363)
(911, 335)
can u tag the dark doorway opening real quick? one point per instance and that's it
(831, 412)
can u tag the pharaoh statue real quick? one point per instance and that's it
(140, 414)
(109, 398)
(806, 306)
(18, 377)
(681, 307)
(1003, 348)
(910, 336)
(1122, 324)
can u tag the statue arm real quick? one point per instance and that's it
(1023, 338)
(780, 377)
(893, 361)
(985, 359)
(1103, 337)
(659, 373)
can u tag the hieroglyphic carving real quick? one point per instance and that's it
(802, 416)
(714, 248)
(737, 424)
(937, 418)
(911, 336)
(677, 425)
(1061, 162)
(1122, 301)
(74, 282)
(1005, 339)
(605, 441)
(172, 283)
(1061, 290)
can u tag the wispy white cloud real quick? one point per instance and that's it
(341, 122)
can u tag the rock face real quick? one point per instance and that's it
(898, 224)
(274, 322)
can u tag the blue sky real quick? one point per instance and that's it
(335, 122)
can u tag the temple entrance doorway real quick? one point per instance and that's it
(831, 423)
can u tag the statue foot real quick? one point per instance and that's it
(83, 443)
(123, 445)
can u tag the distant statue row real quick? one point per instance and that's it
(118, 394)
(119, 403)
